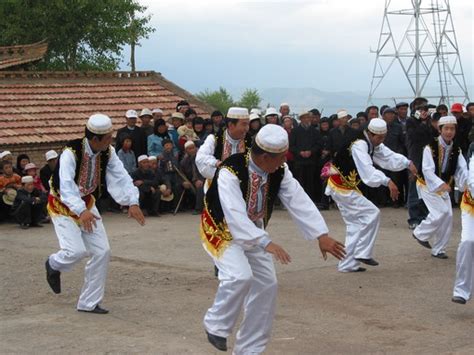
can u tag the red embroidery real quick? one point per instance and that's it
(87, 182)
(252, 209)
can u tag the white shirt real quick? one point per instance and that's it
(382, 156)
(205, 160)
(119, 183)
(433, 181)
(249, 234)
(470, 182)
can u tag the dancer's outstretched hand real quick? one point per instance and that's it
(331, 246)
(135, 212)
(280, 254)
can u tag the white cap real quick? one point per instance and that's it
(240, 113)
(272, 138)
(271, 111)
(26, 179)
(51, 154)
(152, 158)
(4, 154)
(30, 166)
(131, 114)
(157, 110)
(99, 123)
(142, 157)
(377, 126)
(447, 120)
(254, 116)
(342, 113)
(188, 144)
(305, 113)
(256, 110)
(283, 104)
(145, 112)
(177, 115)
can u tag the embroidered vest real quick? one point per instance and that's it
(213, 229)
(223, 149)
(437, 153)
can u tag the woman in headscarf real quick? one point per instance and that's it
(21, 161)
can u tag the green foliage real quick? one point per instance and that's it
(250, 99)
(81, 34)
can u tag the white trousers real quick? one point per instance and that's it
(465, 259)
(246, 278)
(362, 219)
(439, 222)
(76, 244)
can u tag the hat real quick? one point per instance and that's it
(4, 154)
(9, 195)
(389, 110)
(342, 113)
(271, 111)
(457, 107)
(169, 198)
(377, 126)
(51, 154)
(27, 179)
(239, 113)
(188, 144)
(401, 104)
(354, 120)
(146, 112)
(157, 110)
(254, 116)
(305, 113)
(99, 123)
(152, 158)
(284, 104)
(325, 119)
(272, 139)
(256, 110)
(447, 120)
(29, 166)
(142, 157)
(177, 115)
(131, 114)
(315, 111)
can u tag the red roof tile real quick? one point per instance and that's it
(50, 107)
(15, 55)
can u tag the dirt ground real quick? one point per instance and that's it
(161, 283)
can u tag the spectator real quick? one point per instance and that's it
(126, 155)
(5, 156)
(208, 126)
(167, 163)
(402, 114)
(177, 120)
(316, 118)
(189, 169)
(284, 109)
(442, 110)
(47, 170)
(463, 127)
(354, 123)
(29, 204)
(139, 139)
(339, 134)
(305, 144)
(182, 106)
(10, 182)
(198, 127)
(255, 125)
(325, 158)
(155, 146)
(334, 121)
(271, 116)
(217, 119)
(145, 180)
(363, 118)
(372, 112)
(186, 133)
(21, 161)
(31, 170)
(190, 114)
(470, 112)
(146, 116)
(287, 123)
(157, 113)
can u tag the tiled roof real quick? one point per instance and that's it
(49, 107)
(15, 55)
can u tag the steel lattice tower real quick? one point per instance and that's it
(428, 52)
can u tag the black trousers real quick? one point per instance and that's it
(28, 213)
(150, 201)
(304, 173)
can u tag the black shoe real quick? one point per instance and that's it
(440, 256)
(371, 262)
(425, 244)
(219, 343)
(457, 299)
(97, 310)
(216, 271)
(53, 277)
(24, 225)
(37, 225)
(359, 269)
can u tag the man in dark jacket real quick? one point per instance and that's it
(145, 180)
(339, 135)
(48, 169)
(29, 204)
(138, 136)
(305, 144)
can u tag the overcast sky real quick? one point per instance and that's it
(324, 44)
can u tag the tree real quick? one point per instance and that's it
(81, 34)
(250, 99)
(138, 30)
(219, 99)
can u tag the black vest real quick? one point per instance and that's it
(220, 140)
(452, 164)
(238, 165)
(77, 147)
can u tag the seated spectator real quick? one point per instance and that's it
(31, 170)
(167, 165)
(10, 182)
(47, 170)
(145, 180)
(198, 127)
(21, 161)
(189, 169)
(186, 133)
(5, 156)
(155, 146)
(29, 204)
(126, 155)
